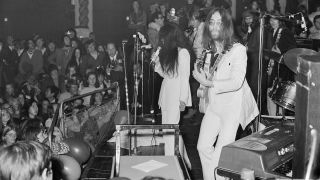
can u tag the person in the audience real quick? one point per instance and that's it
(76, 62)
(157, 21)
(9, 136)
(25, 161)
(52, 51)
(93, 59)
(64, 55)
(31, 62)
(137, 18)
(41, 46)
(91, 86)
(115, 70)
(11, 60)
(72, 89)
(51, 94)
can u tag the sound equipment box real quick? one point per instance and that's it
(268, 153)
(307, 112)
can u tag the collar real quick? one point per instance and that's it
(154, 25)
(114, 57)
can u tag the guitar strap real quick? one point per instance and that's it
(213, 59)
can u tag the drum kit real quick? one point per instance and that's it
(283, 93)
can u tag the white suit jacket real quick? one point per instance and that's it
(231, 92)
(175, 88)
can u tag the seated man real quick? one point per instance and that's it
(25, 161)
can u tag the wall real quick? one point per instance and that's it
(109, 18)
(49, 18)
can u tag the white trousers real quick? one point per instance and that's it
(213, 124)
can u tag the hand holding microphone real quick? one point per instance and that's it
(155, 56)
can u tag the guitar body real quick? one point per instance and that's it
(206, 60)
(202, 93)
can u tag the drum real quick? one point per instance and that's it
(284, 94)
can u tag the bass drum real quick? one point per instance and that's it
(284, 94)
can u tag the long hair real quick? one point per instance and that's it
(171, 37)
(226, 34)
(255, 22)
(134, 16)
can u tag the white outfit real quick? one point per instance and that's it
(173, 90)
(230, 102)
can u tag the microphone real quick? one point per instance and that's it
(142, 38)
(303, 23)
(155, 55)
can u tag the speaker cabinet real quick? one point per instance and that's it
(307, 111)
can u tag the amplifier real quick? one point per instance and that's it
(268, 153)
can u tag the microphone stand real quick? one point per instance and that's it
(135, 75)
(152, 91)
(142, 88)
(135, 92)
(261, 43)
(125, 79)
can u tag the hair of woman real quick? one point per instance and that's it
(171, 37)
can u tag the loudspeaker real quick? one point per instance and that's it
(307, 111)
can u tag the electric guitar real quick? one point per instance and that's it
(204, 63)
(209, 69)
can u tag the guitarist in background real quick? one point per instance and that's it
(230, 98)
(282, 40)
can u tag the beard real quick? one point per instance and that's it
(216, 35)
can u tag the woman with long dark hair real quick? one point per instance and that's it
(173, 65)
(230, 99)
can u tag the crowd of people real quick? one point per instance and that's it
(37, 74)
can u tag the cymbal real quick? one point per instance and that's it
(273, 55)
(291, 57)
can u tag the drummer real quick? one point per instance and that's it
(282, 40)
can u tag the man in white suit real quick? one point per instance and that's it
(230, 98)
